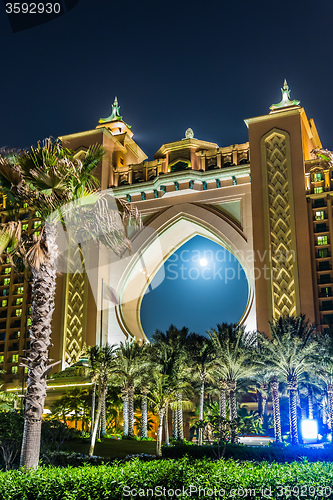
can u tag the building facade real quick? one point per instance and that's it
(268, 201)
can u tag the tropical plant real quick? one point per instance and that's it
(50, 179)
(160, 396)
(202, 359)
(105, 367)
(131, 363)
(290, 353)
(234, 349)
(171, 354)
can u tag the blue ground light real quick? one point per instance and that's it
(204, 285)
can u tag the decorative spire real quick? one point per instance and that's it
(114, 114)
(189, 134)
(285, 101)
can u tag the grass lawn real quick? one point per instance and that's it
(112, 448)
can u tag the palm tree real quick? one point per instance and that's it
(172, 356)
(50, 179)
(290, 354)
(104, 370)
(160, 396)
(202, 362)
(74, 401)
(131, 365)
(234, 348)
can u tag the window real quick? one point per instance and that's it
(20, 290)
(317, 177)
(7, 270)
(4, 303)
(25, 227)
(14, 369)
(18, 312)
(19, 301)
(328, 319)
(6, 281)
(30, 310)
(319, 203)
(321, 228)
(15, 358)
(327, 305)
(25, 205)
(318, 190)
(322, 253)
(2, 358)
(325, 278)
(324, 265)
(320, 215)
(7, 260)
(36, 223)
(321, 240)
(18, 334)
(29, 322)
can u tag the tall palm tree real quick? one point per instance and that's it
(131, 364)
(202, 361)
(160, 396)
(234, 348)
(172, 355)
(290, 353)
(49, 179)
(104, 370)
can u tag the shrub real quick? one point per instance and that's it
(230, 479)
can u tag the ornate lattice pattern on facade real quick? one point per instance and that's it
(74, 316)
(280, 229)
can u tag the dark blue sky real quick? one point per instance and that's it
(172, 64)
(195, 293)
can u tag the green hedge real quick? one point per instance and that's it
(273, 453)
(230, 479)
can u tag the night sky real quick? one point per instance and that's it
(173, 65)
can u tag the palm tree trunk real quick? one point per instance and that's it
(259, 398)
(293, 415)
(131, 411)
(166, 424)
(180, 426)
(175, 423)
(103, 416)
(223, 401)
(93, 403)
(233, 410)
(324, 412)
(101, 394)
(37, 360)
(310, 403)
(144, 414)
(159, 433)
(276, 410)
(202, 397)
(330, 404)
(125, 412)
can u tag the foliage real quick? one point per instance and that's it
(11, 430)
(230, 478)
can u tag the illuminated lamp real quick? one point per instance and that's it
(309, 430)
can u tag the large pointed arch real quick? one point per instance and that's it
(169, 231)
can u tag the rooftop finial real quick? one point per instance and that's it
(285, 101)
(114, 114)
